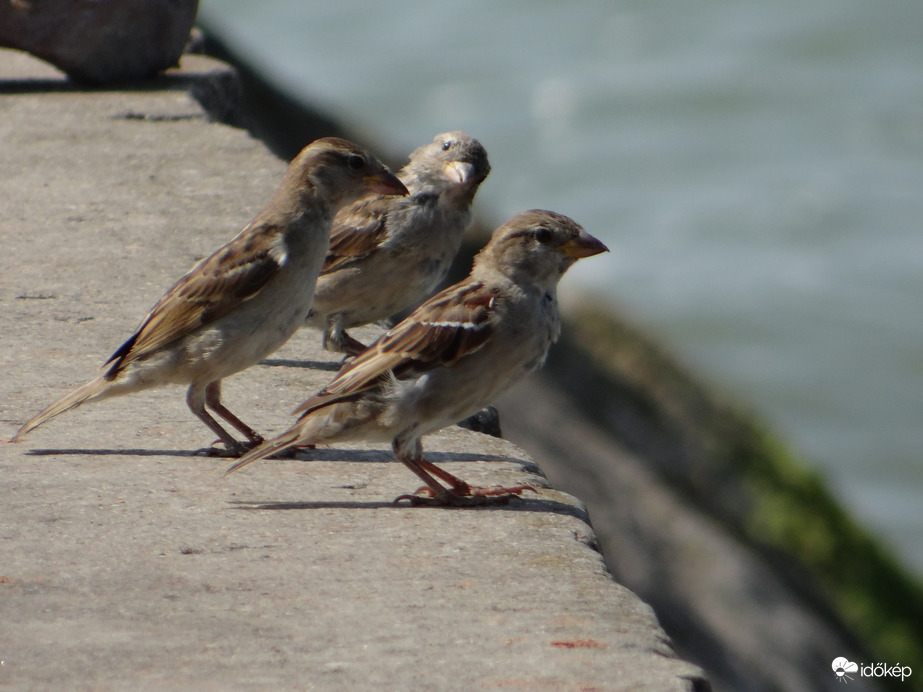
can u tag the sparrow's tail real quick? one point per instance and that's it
(286, 439)
(83, 393)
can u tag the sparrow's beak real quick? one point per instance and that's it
(386, 183)
(459, 172)
(584, 245)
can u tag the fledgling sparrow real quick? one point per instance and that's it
(244, 301)
(451, 356)
(389, 254)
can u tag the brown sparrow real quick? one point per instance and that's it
(243, 302)
(451, 356)
(389, 254)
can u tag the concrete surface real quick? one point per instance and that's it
(127, 563)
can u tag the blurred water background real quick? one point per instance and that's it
(756, 169)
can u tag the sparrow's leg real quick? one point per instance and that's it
(213, 401)
(459, 494)
(337, 339)
(352, 346)
(196, 396)
(460, 487)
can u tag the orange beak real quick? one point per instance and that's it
(584, 245)
(386, 183)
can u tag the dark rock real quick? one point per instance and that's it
(486, 421)
(101, 41)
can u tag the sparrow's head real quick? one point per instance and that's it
(537, 246)
(339, 172)
(453, 159)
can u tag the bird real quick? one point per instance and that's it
(450, 357)
(245, 300)
(388, 254)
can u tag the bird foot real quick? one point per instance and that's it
(345, 344)
(463, 495)
(238, 449)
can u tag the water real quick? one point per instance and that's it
(757, 170)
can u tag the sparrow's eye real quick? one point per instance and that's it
(543, 235)
(447, 145)
(355, 162)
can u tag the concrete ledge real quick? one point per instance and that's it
(125, 562)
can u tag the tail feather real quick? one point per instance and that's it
(83, 393)
(277, 444)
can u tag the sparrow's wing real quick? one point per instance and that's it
(451, 325)
(211, 290)
(357, 231)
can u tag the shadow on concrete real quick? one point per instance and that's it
(115, 452)
(516, 504)
(377, 456)
(311, 364)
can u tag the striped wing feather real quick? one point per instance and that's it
(211, 290)
(453, 324)
(357, 232)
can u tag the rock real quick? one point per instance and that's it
(100, 41)
(485, 421)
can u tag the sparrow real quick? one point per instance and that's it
(450, 357)
(244, 301)
(388, 254)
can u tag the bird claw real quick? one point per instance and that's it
(227, 451)
(463, 496)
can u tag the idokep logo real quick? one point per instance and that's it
(842, 667)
